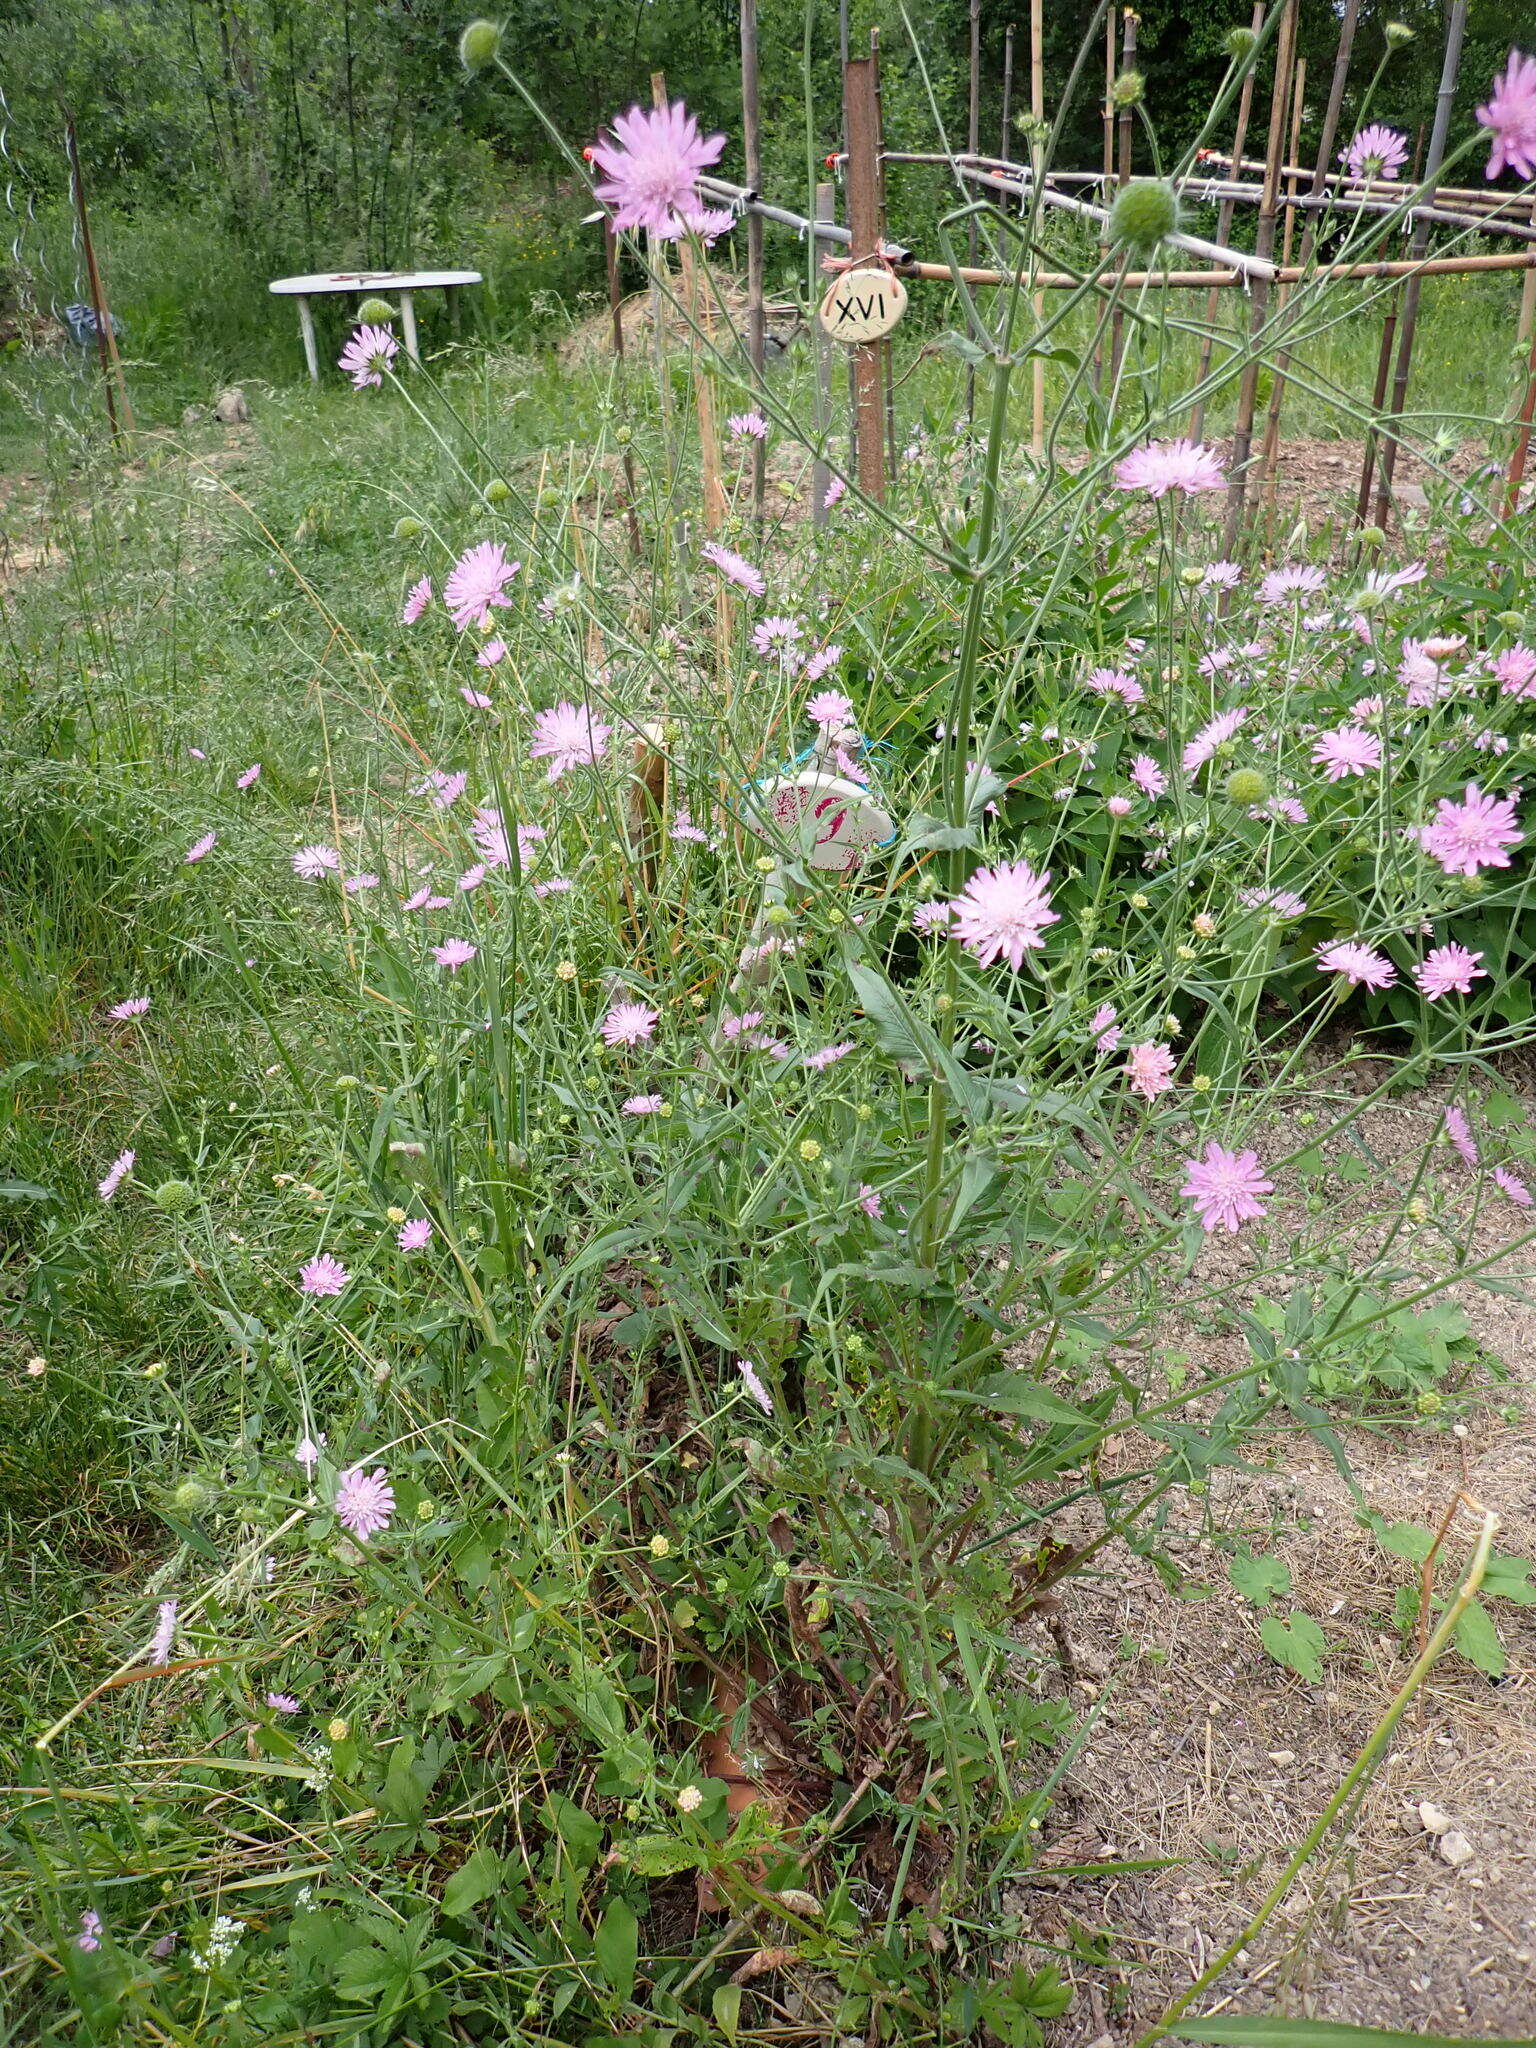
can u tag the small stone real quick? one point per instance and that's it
(1435, 1822)
(1455, 1848)
(1282, 1756)
(230, 408)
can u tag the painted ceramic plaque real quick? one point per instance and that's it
(863, 305)
(838, 819)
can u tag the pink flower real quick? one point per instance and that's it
(643, 1105)
(932, 917)
(1449, 970)
(443, 787)
(1511, 116)
(1357, 963)
(1475, 833)
(314, 863)
(135, 1006)
(306, 1452)
(709, 223)
(629, 1024)
(817, 665)
(369, 353)
(1002, 912)
(323, 1275)
(828, 1056)
(1103, 1029)
(89, 1938)
(416, 1235)
(829, 709)
(1515, 671)
(1459, 1131)
(282, 1703)
(454, 954)
(1282, 903)
(1211, 736)
(751, 423)
(115, 1175)
(870, 1201)
(1114, 682)
(735, 568)
(1164, 466)
(1347, 750)
(1147, 776)
(492, 652)
(1221, 576)
(754, 1385)
(651, 167)
(1511, 1184)
(1119, 806)
(356, 884)
(1376, 152)
(568, 737)
(365, 1501)
(683, 828)
(247, 776)
(477, 700)
(832, 493)
(472, 877)
(777, 636)
(163, 1644)
(476, 582)
(1224, 1187)
(200, 849)
(1149, 1070)
(1299, 579)
(420, 901)
(420, 596)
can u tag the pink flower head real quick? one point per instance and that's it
(1510, 1184)
(1376, 152)
(1358, 963)
(1119, 806)
(1449, 970)
(651, 166)
(1298, 579)
(477, 700)
(829, 709)
(492, 652)
(282, 1703)
(1347, 750)
(735, 568)
(817, 664)
(1114, 682)
(1164, 466)
(1281, 903)
(1510, 116)
(828, 1056)
(709, 223)
(369, 353)
(754, 1385)
(323, 1275)
(200, 849)
(1002, 913)
(1103, 1028)
(355, 885)
(1147, 776)
(1221, 576)
(416, 1235)
(135, 1006)
(1475, 833)
(568, 737)
(306, 1452)
(777, 636)
(88, 1940)
(750, 423)
(630, 1024)
(454, 954)
(115, 1175)
(419, 597)
(834, 491)
(1212, 735)
(163, 1643)
(445, 787)
(314, 863)
(248, 776)
(643, 1105)
(477, 582)
(365, 1501)
(1149, 1070)
(1224, 1188)
(1459, 1131)
(871, 1201)
(932, 917)
(1515, 671)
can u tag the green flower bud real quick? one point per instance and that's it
(1145, 212)
(1246, 786)
(1512, 622)
(497, 492)
(550, 499)
(375, 311)
(1191, 578)
(407, 529)
(479, 44)
(1372, 537)
(1429, 1402)
(1240, 44)
(174, 1196)
(189, 1496)
(1129, 89)
(1397, 33)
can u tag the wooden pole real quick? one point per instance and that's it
(887, 353)
(616, 314)
(1198, 280)
(1224, 228)
(1037, 158)
(106, 340)
(1007, 87)
(1421, 230)
(656, 254)
(1264, 242)
(1527, 298)
(973, 144)
(1523, 442)
(861, 114)
(751, 143)
(1298, 93)
(1129, 19)
(821, 476)
(1110, 24)
(1267, 469)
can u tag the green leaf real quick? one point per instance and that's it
(1273, 2032)
(616, 1944)
(1259, 1579)
(1478, 1640)
(1405, 1539)
(726, 2006)
(403, 1798)
(663, 1856)
(365, 1973)
(1509, 1578)
(1012, 1394)
(475, 1879)
(25, 1191)
(1299, 1646)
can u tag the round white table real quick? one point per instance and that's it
(366, 284)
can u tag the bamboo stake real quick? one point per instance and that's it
(862, 117)
(1037, 158)
(821, 476)
(887, 353)
(1527, 297)
(1109, 162)
(1197, 280)
(751, 143)
(703, 396)
(1264, 242)
(1130, 19)
(616, 314)
(1420, 243)
(106, 339)
(1268, 470)
(1298, 92)
(973, 143)
(1007, 85)
(1523, 443)
(1224, 231)
(656, 254)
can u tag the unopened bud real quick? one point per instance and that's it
(1240, 44)
(407, 529)
(497, 492)
(1397, 33)
(1512, 622)
(174, 1196)
(479, 44)
(1144, 213)
(374, 312)
(1129, 89)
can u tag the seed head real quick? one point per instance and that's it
(1129, 89)
(374, 312)
(1145, 213)
(1239, 44)
(1246, 787)
(479, 44)
(175, 1197)
(407, 529)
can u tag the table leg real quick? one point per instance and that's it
(307, 329)
(451, 294)
(408, 322)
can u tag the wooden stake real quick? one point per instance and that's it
(1130, 19)
(1267, 473)
(821, 476)
(656, 252)
(1224, 228)
(1421, 229)
(861, 113)
(1037, 158)
(1523, 442)
(973, 144)
(1264, 242)
(751, 144)
(1007, 88)
(887, 353)
(123, 422)
(616, 313)
(1109, 164)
